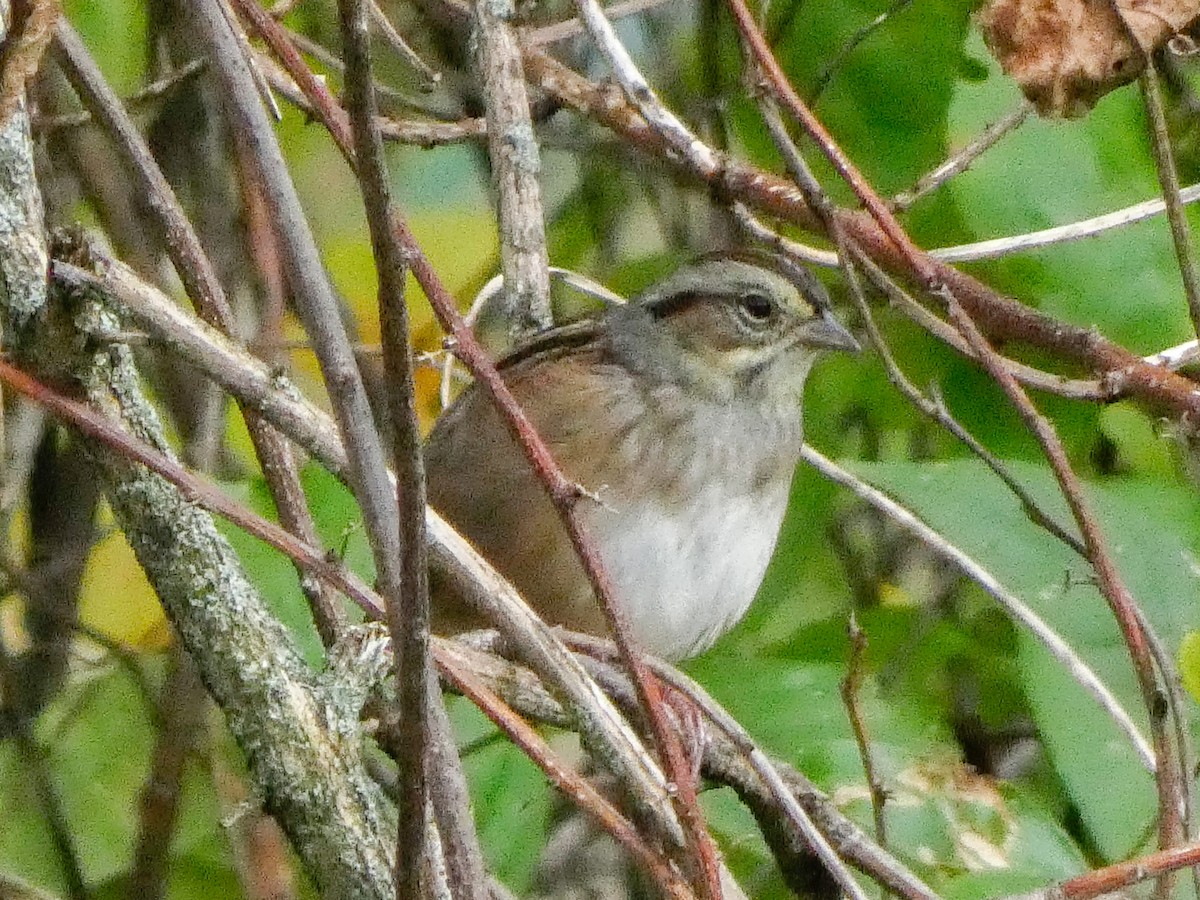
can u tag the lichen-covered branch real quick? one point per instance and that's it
(301, 746)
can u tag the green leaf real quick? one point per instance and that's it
(1189, 663)
(512, 798)
(98, 738)
(953, 826)
(1152, 527)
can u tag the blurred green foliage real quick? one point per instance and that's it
(940, 657)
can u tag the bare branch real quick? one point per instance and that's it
(516, 166)
(408, 613)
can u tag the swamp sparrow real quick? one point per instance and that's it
(681, 411)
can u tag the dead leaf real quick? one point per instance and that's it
(1067, 54)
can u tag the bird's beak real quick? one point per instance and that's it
(826, 331)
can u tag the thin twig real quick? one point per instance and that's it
(1112, 880)
(660, 119)
(401, 46)
(247, 55)
(155, 90)
(408, 609)
(330, 60)
(1072, 388)
(1168, 179)
(961, 161)
(777, 85)
(422, 132)
(1176, 357)
(935, 409)
(758, 230)
(793, 160)
(850, 45)
(569, 28)
(851, 691)
(996, 248)
(1177, 707)
(196, 272)
(799, 803)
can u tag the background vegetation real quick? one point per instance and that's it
(1002, 774)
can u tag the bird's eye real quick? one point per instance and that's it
(755, 308)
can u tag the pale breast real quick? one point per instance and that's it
(685, 577)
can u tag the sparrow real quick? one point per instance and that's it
(680, 413)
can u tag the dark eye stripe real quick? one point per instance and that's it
(671, 303)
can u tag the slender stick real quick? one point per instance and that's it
(155, 90)
(851, 697)
(1112, 880)
(408, 617)
(401, 46)
(1009, 602)
(1168, 179)
(936, 410)
(961, 161)
(777, 82)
